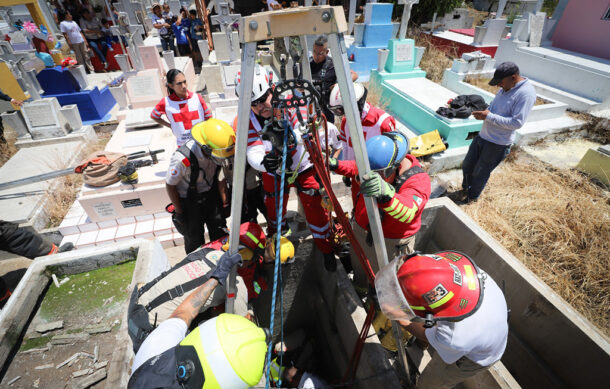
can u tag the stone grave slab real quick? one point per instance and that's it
(145, 88)
(23, 204)
(151, 59)
(44, 119)
(138, 118)
(211, 76)
(494, 32)
(222, 47)
(227, 114)
(149, 195)
(536, 23)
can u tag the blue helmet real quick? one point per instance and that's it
(387, 150)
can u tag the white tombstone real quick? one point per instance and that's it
(72, 116)
(80, 75)
(15, 121)
(168, 56)
(494, 32)
(519, 30)
(139, 118)
(144, 89)
(226, 19)
(211, 77)
(44, 119)
(536, 28)
(204, 49)
(225, 51)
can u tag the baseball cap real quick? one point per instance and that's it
(505, 69)
(155, 5)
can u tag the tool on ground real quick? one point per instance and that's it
(95, 162)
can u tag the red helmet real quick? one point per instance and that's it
(252, 236)
(444, 286)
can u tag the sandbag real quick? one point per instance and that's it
(101, 168)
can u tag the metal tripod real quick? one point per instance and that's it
(292, 22)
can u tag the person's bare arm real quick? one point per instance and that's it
(162, 122)
(191, 306)
(172, 192)
(354, 75)
(415, 328)
(67, 39)
(337, 153)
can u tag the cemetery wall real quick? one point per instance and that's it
(583, 29)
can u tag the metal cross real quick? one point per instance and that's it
(225, 20)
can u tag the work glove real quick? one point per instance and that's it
(333, 163)
(271, 162)
(375, 186)
(225, 264)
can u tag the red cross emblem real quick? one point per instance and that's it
(185, 116)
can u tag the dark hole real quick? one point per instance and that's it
(471, 135)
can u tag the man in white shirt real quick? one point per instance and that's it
(75, 39)
(446, 300)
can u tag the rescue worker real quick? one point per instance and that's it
(192, 182)
(375, 121)
(262, 157)
(227, 351)
(401, 188)
(449, 302)
(323, 73)
(154, 302)
(183, 109)
(27, 243)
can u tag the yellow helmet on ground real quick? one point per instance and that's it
(286, 249)
(216, 138)
(231, 350)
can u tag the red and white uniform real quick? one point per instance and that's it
(317, 217)
(401, 216)
(375, 121)
(182, 114)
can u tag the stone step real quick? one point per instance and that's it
(573, 101)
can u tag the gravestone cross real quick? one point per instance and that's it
(225, 20)
(406, 15)
(501, 5)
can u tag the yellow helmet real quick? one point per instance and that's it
(286, 249)
(231, 350)
(216, 138)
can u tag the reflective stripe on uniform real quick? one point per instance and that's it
(400, 211)
(442, 301)
(217, 360)
(469, 277)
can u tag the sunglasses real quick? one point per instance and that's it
(262, 99)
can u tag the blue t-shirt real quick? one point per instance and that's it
(180, 33)
(195, 33)
(508, 112)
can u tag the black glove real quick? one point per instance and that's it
(225, 264)
(347, 181)
(271, 162)
(179, 220)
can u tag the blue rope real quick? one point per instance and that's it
(279, 205)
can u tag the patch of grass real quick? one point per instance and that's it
(597, 129)
(557, 222)
(85, 293)
(434, 61)
(29, 344)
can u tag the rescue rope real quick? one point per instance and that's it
(279, 196)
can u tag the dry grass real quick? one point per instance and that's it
(558, 224)
(8, 149)
(483, 83)
(479, 16)
(435, 61)
(597, 129)
(68, 187)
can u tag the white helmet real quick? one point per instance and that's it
(260, 85)
(335, 102)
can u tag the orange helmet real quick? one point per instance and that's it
(444, 286)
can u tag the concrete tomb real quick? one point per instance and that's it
(145, 89)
